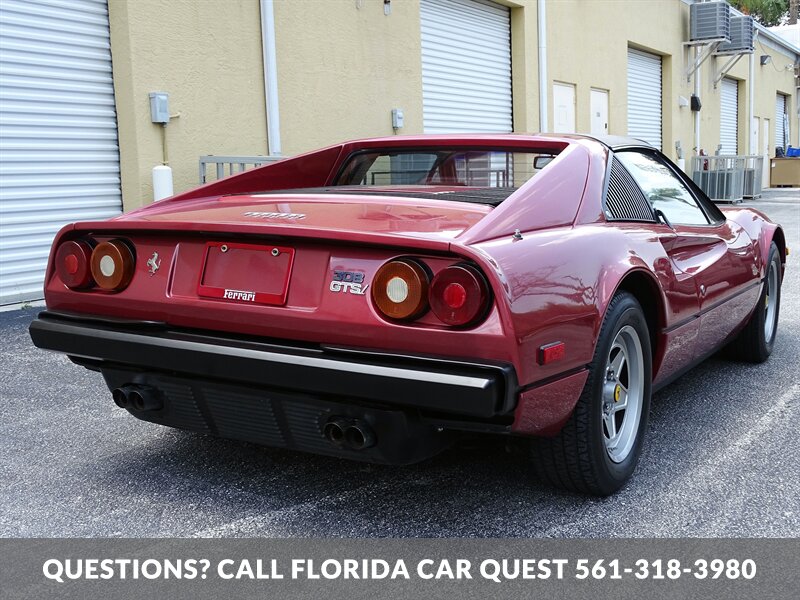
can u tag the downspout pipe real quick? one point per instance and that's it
(270, 77)
(751, 92)
(697, 113)
(541, 16)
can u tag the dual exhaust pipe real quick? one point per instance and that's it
(348, 433)
(340, 431)
(137, 397)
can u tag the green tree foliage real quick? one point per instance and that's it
(766, 12)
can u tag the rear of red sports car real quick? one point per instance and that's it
(374, 300)
(331, 303)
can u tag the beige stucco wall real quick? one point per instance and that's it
(587, 47)
(343, 65)
(524, 65)
(207, 56)
(771, 78)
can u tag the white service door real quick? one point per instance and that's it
(767, 154)
(563, 108)
(466, 66)
(598, 105)
(755, 136)
(729, 116)
(644, 97)
(59, 156)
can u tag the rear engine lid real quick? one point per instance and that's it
(419, 217)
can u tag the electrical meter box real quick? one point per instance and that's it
(159, 107)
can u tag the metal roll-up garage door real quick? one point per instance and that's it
(729, 116)
(780, 121)
(466, 66)
(59, 157)
(644, 96)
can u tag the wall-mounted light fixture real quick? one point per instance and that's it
(765, 59)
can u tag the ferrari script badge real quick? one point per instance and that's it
(274, 215)
(239, 295)
(154, 263)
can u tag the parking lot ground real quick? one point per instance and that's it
(722, 459)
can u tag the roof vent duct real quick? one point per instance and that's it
(709, 21)
(742, 31)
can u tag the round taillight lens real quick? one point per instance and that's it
(112, 265)
(400, 289)
(459, 295)
(72, 264)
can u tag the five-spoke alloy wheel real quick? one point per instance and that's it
(623, 392)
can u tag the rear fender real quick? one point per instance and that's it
(555, 286)
(762, 231)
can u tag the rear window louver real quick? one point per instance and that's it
(624, 200)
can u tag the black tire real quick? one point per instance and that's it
(752, 345)
(577, 458)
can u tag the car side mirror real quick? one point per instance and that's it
(540, 162)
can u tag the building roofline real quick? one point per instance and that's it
(774, 37)
(763, 31)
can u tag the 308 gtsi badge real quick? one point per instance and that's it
(349, 281)
(377, 299)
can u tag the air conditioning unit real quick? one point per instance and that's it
(709, 21)
(742, 30)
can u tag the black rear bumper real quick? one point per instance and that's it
(458, 388)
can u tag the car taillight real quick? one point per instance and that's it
(72, 264)
(459, 295)
(112, 265)
(400, 289)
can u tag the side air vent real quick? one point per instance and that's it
(624, 200)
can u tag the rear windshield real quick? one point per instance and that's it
(506, 169)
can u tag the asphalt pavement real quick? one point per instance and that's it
(722, 459)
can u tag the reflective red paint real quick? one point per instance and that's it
(554, 283)
(543, 410)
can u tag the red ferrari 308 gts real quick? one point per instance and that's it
(374, 299)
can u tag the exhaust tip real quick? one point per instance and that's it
(137, 397)
(347, 433)
(333, 431)
(120, 397)
(359, 436)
